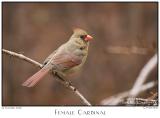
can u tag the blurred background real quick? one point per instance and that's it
(125, 38)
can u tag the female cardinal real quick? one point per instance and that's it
(66, 59)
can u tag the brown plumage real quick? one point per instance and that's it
(66, 59)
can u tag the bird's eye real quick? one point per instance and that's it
(82, 36)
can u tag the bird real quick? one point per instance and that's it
(66, 59)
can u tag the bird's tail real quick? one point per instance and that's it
(33, 80)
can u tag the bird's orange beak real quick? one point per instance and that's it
(88, 38)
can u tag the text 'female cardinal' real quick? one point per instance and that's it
(66, 59)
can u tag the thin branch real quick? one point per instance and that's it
(116, 99)
(69, 86)
(138, 86)
(72, 88)
(22, 57)
(146, 70)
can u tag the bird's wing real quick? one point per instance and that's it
(52, 54)
(49, 57)
(66, 60)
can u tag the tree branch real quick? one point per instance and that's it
(138, 86)
(146, 70)
(22, 57)
(116, 99)
(65, 83)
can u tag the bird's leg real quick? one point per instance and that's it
(68, 83)
(59, 77)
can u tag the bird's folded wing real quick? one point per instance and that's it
(66, 61)
(49, 57)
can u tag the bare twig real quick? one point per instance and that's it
(116, 99)
(22, 57)
(143, 76)
(71, 87)
(138, 86)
